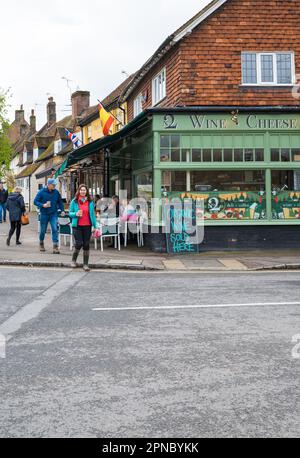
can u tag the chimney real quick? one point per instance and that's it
(23, 129)
(51, 111)
(32, 122)
(80, 102)
(19, 115)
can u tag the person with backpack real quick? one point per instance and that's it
(16, 208)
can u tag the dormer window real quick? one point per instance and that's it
(35, 154)
(57, 147)
(268, 68)
(159, 90)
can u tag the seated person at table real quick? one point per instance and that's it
(128, 213)
(113, 209)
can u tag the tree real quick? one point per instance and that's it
(5, 146)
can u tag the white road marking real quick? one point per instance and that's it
(200, 306)
(34, 308)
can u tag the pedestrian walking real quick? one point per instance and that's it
(16, 208)
(83, 220)
(3, 200)
(48, 200)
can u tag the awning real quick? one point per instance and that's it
(45, 173)
(97, 145)
(61, 169)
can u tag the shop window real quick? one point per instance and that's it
(217, 155)
(185, 155)
(207, 155)
(175, 155)
(295, 155)
(228, 155)
(175, 141)
(286, 194)
(196, 155)
(259, 155)
(174, 181)
(275, 155)
(249, 156)
(238, 155)
(165, 141)
(171, 151)
(164, 155)
(285, 155)
(144, 185)
(239, 180)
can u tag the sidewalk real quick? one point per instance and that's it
(133, 258)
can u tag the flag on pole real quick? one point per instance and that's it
(75, 140)
(106, 119)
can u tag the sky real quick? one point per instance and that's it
(89, 42)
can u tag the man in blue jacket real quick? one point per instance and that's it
(49, 201)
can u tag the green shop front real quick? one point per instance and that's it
(244, 164)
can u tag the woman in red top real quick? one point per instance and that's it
(83, 219)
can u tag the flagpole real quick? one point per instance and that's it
(110, 112)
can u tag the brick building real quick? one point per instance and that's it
(214, 114)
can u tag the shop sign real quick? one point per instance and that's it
(228, 205)
(232, 121)
(181, 227)
(286, 205)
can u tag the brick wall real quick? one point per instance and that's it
(171, 61)
(205, 68)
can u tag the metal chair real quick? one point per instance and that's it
(65, 230)
(107, 231)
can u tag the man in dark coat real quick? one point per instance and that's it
(16, 208)
(3, 199)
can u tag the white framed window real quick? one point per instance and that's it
(138, 105)
(35, 154)
(268, 68)
(159, 89)
(57, 146)
(25, 156)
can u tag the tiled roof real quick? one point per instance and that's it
(28, 171)
(67, 149)
(169, 43)
(89, 111)
(92, 113)
(46, 154)
(19, 146)
(43, 142)
(115, 94)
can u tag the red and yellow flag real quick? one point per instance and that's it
(106, 119)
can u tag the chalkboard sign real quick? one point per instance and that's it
(181, 227)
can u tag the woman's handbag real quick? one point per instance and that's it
(24, 220)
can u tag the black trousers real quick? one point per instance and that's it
(15, 225)
(82, 236)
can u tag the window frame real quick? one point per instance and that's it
(157, 98)
(259, 81)
(138, 105)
